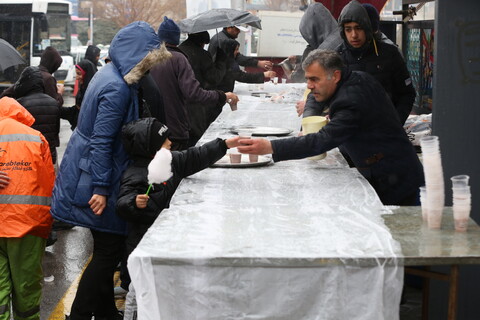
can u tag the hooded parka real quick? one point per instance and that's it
(95, 158)
(382, 60)
(320, 29)
(50, 61)
(25, 157)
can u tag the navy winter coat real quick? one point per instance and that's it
(95, 158)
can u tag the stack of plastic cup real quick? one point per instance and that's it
(435, 187)
(462, 201)
(423, 202)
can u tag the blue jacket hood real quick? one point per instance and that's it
(132, 45)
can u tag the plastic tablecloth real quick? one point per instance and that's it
(290, 240)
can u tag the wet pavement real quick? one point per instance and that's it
(64, 261)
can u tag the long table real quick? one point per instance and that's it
(297, 239)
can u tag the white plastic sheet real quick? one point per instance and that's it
(293, 240)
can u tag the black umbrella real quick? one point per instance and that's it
(218, 18)
(9, 56)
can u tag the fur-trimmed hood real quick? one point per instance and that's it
(135, 49)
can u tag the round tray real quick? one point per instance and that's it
(262, 131)
(225, 162)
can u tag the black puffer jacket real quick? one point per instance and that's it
(364, 125)
(136, 139)
(137, 142)
(29, 91)
(382, 60)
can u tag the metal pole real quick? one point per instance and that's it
(91, 25)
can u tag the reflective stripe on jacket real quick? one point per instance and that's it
(25, 157)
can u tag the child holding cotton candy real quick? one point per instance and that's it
(150, 181)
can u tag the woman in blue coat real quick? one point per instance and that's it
(88, 181)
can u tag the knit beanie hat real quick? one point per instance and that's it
(373, 15)
(158, 134)
(169, 32)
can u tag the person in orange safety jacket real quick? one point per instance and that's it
(25, 218)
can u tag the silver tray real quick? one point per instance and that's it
(225, 162)
(262, 131)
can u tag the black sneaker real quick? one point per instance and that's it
(52, 238)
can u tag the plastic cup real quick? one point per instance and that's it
(244, 134)
(460, 181)
(233, 107)
(284, 81)
(275, 80)
(429, 142)
(423, 202)
(461, 215)
(253, 158)
(313, 124)
(434, 220)
(235, 156)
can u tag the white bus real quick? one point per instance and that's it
(31, 26)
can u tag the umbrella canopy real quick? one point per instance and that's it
(218, 18)
(10, 56)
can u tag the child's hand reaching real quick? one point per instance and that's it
(232, 142)
(141, 201)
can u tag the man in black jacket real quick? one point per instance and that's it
(364, 50)
(363, 124)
